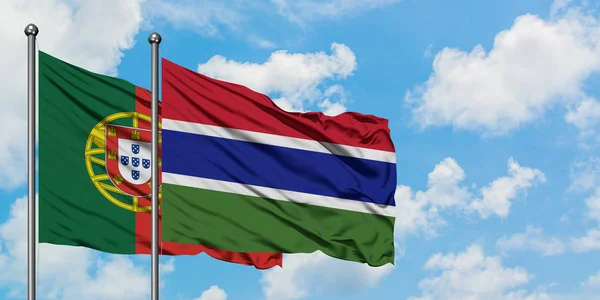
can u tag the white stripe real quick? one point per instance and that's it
(277, 194)
(278, 140)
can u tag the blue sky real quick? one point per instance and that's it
(493, 111)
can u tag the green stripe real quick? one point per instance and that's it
(250, 224)
(71, 210)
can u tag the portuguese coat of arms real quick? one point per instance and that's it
(128, 159)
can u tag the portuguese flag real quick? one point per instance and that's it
(94, 166)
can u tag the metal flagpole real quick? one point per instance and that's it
(31, 32)
(154, 39)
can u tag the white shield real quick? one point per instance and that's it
(134, 161)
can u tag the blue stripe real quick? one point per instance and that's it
(278, 167)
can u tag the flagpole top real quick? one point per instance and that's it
(154, 38)
(31, 29)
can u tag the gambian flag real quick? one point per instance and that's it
(243, 175)
(94, 166)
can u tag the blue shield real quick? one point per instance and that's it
(145, 163)
(135, 162)
(135, 174)
(135, 149)
(124, 160)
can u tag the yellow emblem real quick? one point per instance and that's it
(95, 162)
(112, 155)
(112, 132)
(135, 135)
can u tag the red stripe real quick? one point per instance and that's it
(196, 98)
(144, 221)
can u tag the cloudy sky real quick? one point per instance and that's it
(494, 108)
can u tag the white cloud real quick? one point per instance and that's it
(71, 30)
(428, 52)
(420, 212)
(443, 185)
(593, 282)
(301, 11)
(261, 42)
(589, 242)
(586, 115)
(472, 275)
(308, 273)
(292, 79)
(215, 18)
(66, 272)
(532, 239)
(533, 66)
(559, 6)
(524, 295)
(204, 16)
(414, 214)
(213, 293)
(332, 109)
(211, 18)
(167, 267)
(445, 191)
(335, 98)
(496, 196)
(585, 175)
(593, 206)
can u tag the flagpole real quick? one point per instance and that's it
(31, 32)
(154, 39)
